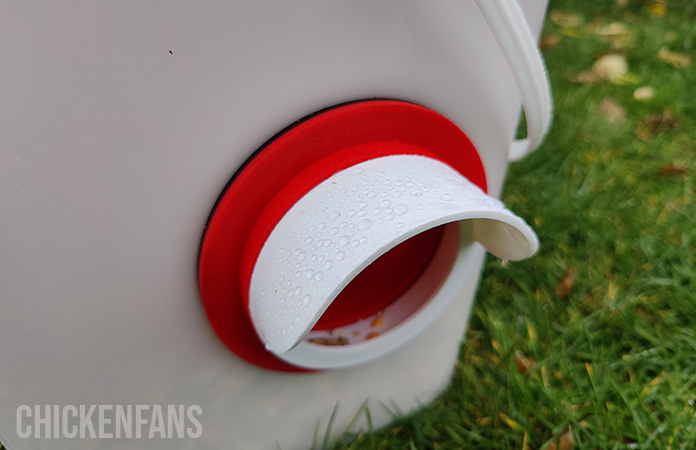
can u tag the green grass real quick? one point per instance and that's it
(616, 358)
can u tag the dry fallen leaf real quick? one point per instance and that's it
(657, 8)
(551, 40)
(564, 442)
(610, 67)
(587, 77)
(655, 123)
(616, 33)
(524, 364)
(675, 59)
(565, 19)
(644, 93)
(673, 169)
(612, 111)
(566, 284)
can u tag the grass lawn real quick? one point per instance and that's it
(591, 344)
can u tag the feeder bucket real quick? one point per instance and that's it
(219, 220)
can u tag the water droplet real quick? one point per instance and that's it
(298, 274)
(284, 331)
(364, 224)
(362, 205)
(345, 240)
(400, 209)
(298, 290)
(313, 258)
(335, 215)
(385, 204)
(446, 197)
(340, 256)
(298, 318)
(400, 225)
(417, 193)
(433, 184)
(371, 194)
(358, 170)
(363, 240)
(389, 217)
(351, 213)
(361, 213)
(377, 211)
(320, 243)
(334, 230)
(309, 273)
(355, 243)
(396, 194)
(328, 264)
(420, 207)
(302, 256)
(292, 327)
(319, 276)
(309, 240)
(307, 299)
(322, 225)
(297, 251)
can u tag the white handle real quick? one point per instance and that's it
(512, 33)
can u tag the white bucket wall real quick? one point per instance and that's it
(122, 123)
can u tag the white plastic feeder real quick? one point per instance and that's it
(366, 145)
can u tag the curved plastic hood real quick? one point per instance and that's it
(351, 219)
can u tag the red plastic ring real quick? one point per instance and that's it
(286, 168)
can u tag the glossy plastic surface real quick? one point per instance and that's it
(122, 123)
